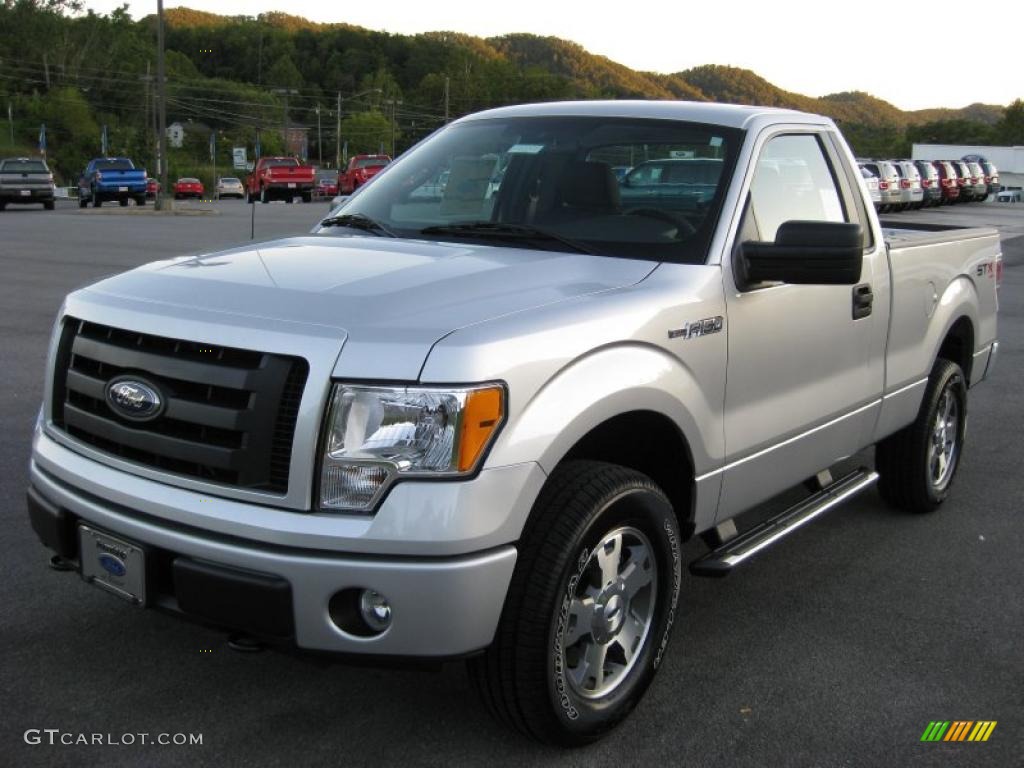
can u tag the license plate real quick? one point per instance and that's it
(291, 184)
(26, 193)
(113, 564)
(122, 189)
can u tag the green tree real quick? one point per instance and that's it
(1010, 129)
(284, 74)
(365, 132)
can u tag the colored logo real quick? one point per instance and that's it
(134, 399)
(112, 565)
(958, 730)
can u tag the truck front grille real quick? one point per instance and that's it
(228, 416)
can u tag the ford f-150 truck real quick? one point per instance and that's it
(479, 419)
(360, 169)
(25, 180)
(279, 178)
(111, 178)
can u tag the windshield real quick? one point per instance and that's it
(285, 162)
(371, 162)
(115, 165)
(557, 177)
(230, 180)
(23, 166)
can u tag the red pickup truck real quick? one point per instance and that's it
(361, 168)
(279, 178)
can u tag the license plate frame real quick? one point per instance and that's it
(113, 564)
(122, 189)
(25, 193)
(291, 185)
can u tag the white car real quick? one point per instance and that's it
(871, 182)
(229, 186)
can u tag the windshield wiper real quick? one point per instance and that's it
(491, 229)
(358, 221)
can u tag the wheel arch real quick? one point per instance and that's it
(664, 455)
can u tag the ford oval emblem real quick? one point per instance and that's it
(112, 565)
(132, 398)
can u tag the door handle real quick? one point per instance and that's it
(863, 298)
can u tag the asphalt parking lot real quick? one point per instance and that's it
(836, 648)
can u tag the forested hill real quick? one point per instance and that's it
(77, 71)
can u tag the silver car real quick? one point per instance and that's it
(229, 186)
(911, 193)
(871, 182)
(888, 183)
(978, 180)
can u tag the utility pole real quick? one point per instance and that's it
(10, 120)
(46, 69)
(319, 139)
(447, 83)
(161, 95)
(337, 136)
(394, 122)
(287, 123)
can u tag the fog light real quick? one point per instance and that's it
(375, 610)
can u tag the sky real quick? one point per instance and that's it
(897, 50)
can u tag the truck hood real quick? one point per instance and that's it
(392, 299)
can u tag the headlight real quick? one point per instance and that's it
(376, 435)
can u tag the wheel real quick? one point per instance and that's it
(96, 201)
(590, 608)
(123, 202)
(140, 200)
(916, 466)
(307, 197)
(264, 197)
(289, 199)
(49, 205)
(3, 205)
(82, 202)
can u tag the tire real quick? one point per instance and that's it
(307, 197)
(912, 475)
(123, 202)
(141, 201)
(83, 202)
(533, 676)
(96, 201)
(264, 197)
(289, 199)
(3, 205)
(49, 205)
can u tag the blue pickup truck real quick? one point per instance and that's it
(111, 178)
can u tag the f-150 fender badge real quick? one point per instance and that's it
(697, 328)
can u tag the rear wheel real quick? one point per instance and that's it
(590, 608)
(82, 202)
(123, 202)
(48, 205)
(264, 196)
(96, 202)
(916, 466)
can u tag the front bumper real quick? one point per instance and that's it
(441, 607)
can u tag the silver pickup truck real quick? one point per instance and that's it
(478, 411)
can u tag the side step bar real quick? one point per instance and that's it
(721, 561)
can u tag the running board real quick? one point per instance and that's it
(721, 561)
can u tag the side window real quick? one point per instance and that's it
(793, 181)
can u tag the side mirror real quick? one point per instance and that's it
(807, 253)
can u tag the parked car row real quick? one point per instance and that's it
(898, 185)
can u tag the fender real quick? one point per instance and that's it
(905, 389)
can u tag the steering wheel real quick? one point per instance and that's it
(683, 227)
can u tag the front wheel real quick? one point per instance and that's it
(916, 466)
(590, 608)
